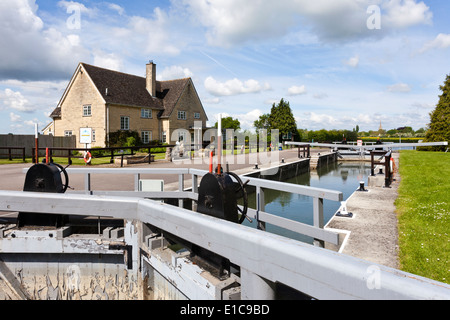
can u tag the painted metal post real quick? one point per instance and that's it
(137, 177)
(253, 287)
(195, 190)
(260, 206)
(36, 136)
(318, 218)
(180, 188)
(87, 183)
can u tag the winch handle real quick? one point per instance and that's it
(242, 186)
(66, 176)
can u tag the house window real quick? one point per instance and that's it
(163, 137)
(87, 111)
(68, 133)
(181, 115)
(124, 123)
(196, 115)
(146, 137)
(93, 135)
(146, 113)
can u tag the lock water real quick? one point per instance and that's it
(339, 176)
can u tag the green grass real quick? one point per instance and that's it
(423, 208)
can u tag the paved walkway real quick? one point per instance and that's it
(372, 233)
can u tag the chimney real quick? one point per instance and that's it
(151, 78)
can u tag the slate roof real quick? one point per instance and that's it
(130, 90)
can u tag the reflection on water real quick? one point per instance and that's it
(342, 176)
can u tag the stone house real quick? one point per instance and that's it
(106, 101)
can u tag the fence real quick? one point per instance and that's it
(112, 152)
(13, 155)
(28, 142)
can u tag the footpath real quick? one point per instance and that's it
(371, 233)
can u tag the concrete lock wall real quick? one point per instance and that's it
(69, 277)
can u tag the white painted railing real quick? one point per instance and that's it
(315, 231)
(263, 258)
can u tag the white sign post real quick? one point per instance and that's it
(86, 138)
(86, 135)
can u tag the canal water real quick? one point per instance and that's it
(340, 176)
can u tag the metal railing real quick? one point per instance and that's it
(316, 231)
(388, 171)
(111, 152)
(11, 155)
(264, 259)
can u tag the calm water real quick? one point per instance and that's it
(344, 177)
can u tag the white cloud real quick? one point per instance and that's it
(115, 7)
(175, 72)
(16, 101)
(14, 117)
(212, 101)
(399, 87)
(406, 13)
(247, 119)
(234, 22)
(442, 41)
(151, 35)
(320, 96)
(33, 51)
(352, 62)
(107, 60)
(233, 87)
(296, 90)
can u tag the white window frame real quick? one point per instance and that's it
(87, 110)
(196, 115)
(146, 113)
(124, 123)
(147, 133)
(68, 133)
(182, 115)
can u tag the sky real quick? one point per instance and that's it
(338, 63)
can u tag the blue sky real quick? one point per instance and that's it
(338, 63)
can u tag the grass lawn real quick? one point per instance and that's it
(423, 208)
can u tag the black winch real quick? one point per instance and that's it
(44, 177)
(218, 197)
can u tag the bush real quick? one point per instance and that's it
(98, 153)
(123, 139)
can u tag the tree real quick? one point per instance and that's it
(439, 127)
(281, 118)
(229, 123)
(262, 122)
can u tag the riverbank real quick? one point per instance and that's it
(423, 208)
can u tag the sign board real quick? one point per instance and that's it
(86, 135)
(359, 143)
